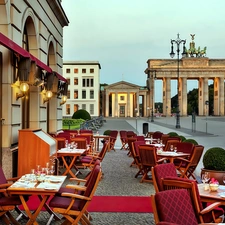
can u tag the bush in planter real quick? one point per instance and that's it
(214, 159)
(191, 141)
(172, 134)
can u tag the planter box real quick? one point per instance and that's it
(218, 175)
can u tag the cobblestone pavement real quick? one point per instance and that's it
(118, 180)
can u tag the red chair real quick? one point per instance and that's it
(187, 166)
(73, 207)
(9, 203)
(174, 206)
(211, 213)
(162, 171)
(148, 159)
(123, 139)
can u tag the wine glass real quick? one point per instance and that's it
(206, 177)
(175, 149)
(224, 179)
(171, 148)
(52, 170)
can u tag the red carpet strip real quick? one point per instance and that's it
(129, 204)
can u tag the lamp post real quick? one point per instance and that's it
(178, 41)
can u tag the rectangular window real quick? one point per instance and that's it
(75, 94)
(68, 94)
(83, 94)
(75, 107)
(84, 106)
(91, 94)
(83, 83)
(67, 109)
(91, 109)
(92, 70)
(87, 82)
(83, 70)
(75, 81)
(122, 98)
(75, 70)
(67, 70)
(92, 82)
(68, 81)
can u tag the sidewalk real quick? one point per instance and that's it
(119, 176)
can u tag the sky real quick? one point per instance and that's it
(123, 34)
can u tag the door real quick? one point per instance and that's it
(122, 110)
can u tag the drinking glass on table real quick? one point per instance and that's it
(171, 148)
(52, 170)
(175, 149)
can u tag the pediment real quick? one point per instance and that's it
(122, 85)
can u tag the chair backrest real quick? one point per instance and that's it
(131, 133)
(88, 136)
(174, 206)
(80, 141)
(147, 155)
(92, 185)
(102, 153)
(162, 171)
(169, 143)
(164, 138)
(113, 133)
(84, 131)
(140, 138)
(136, 144)
(157, 135)
(196, 155)
(3, 179)
(130, 141)
(61, 142)
(185, 147)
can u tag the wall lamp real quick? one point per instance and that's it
(64, 98)
(46, 95)
(23, 87)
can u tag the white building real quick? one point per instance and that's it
(83, 79)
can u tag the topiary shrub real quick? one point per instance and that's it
(81, 114)
(172, 134)
(182, 138)
(214, 159)
(107, 132)
(191, 141)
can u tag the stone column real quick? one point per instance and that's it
(128, 104)
(116, 109)
(107, 103)
(183, 97)
(202, 96)
(166, 96)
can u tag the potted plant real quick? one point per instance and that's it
(214, 163)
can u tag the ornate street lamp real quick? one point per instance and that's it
(178, 41)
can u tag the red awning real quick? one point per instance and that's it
(41, 64)
(6, 42)
(61, 77)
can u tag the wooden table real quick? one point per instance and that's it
(212, 196)
(73, 153)
(171, 156)
(97, 137)
(43, 190)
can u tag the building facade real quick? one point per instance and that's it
(31, 41)
(83, 79)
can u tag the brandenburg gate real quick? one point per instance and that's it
(201, 69)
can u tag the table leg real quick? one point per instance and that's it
(48, 209)
(68, 167)
(33, 216)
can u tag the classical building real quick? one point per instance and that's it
(31, 85)
(83, 79)
(122, 100)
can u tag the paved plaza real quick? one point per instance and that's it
(119, 176)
